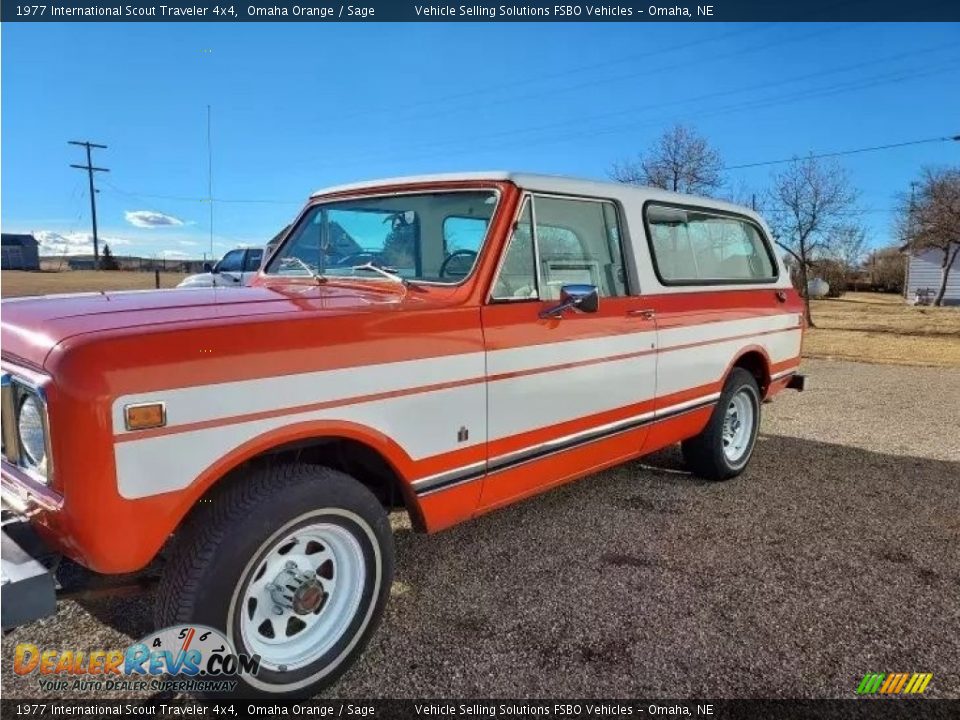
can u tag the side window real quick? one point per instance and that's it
(254, 258)
(231, 262)
(517, 278)
(693, 246)
(579, 242)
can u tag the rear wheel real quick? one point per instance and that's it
(725, 446)
(294, 564)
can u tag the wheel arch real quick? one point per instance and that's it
(370, 457)
(755, 360)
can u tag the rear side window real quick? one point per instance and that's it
(693, 247)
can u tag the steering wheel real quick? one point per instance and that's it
(472, 254)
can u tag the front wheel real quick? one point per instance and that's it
(724, 447)
(294, 564)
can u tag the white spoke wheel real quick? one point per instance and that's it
(738, 425)
(301, 596)
(724, 447)
(294, 563)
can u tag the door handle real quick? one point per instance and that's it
(646, 313)
(781, 296)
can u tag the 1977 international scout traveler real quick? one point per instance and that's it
(448, 344)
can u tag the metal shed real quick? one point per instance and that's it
(924, 268)
(20, 252)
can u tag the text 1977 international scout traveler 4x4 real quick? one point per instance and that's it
(447, 344)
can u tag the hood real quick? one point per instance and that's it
(32, 327)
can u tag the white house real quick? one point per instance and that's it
(924, 273)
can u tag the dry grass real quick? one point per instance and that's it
(859, 326)
(15, 283)
(883, 329)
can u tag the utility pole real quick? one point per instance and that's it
(93, 193)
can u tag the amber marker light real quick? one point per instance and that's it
(145, 416)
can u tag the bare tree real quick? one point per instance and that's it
(931, 220)
(681, 160)
(849, 247)
(740, 193)
(807, 203)
(887, 268)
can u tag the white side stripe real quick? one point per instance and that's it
(243, 397)
(425, 424)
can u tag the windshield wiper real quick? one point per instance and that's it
(313, 273)
(388, 273)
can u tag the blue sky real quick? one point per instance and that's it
(296, 107)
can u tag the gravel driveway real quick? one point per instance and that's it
(834, 555)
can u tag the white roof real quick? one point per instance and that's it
(546, 183)
(414, 179)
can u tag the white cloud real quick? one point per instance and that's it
(189, 243)
(151, 219)
(173, 255)
(75, 243)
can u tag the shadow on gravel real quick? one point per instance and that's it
(819, 564)
(131, 616)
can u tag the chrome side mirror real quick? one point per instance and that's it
(585, 298)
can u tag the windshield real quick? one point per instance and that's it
(428, 237)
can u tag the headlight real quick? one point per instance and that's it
(30, 425)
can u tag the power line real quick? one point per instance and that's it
(499, 87)
(748, 105)
(897, 76)
(644, 72)
(197, 199)
(93, 192)
(434, 144)
(839, 153)
(805, 94)
(443, 106)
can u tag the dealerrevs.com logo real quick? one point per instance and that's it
(181, 658)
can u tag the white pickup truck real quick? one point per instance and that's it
(235, 269)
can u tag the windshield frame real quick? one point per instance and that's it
(495, 190)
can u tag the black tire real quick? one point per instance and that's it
(226, 539)
(704, 454)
